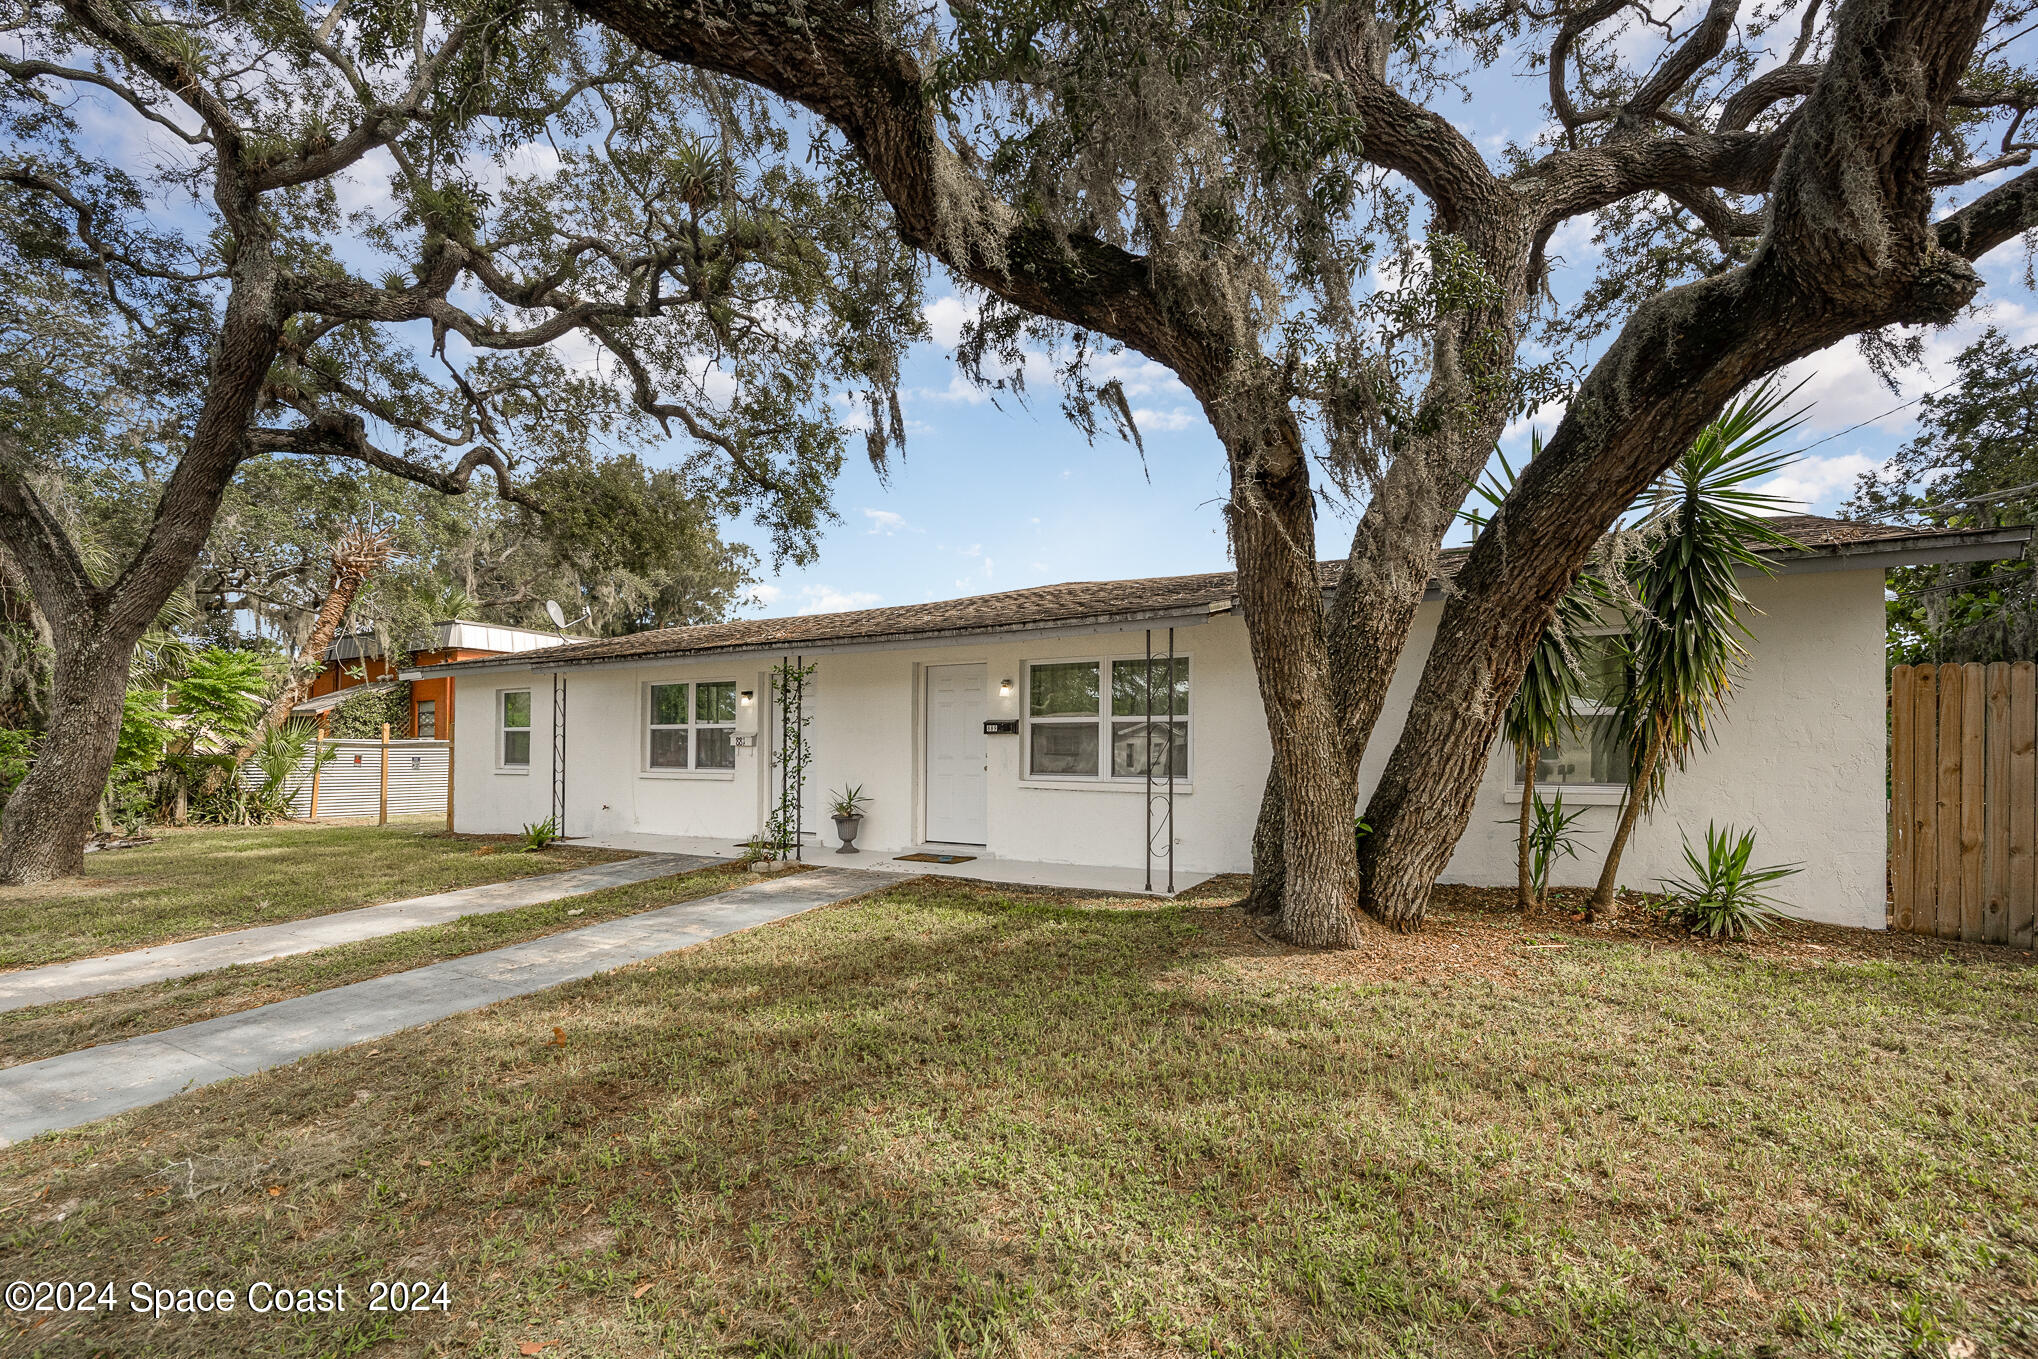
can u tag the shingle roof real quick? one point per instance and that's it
(1050, 605)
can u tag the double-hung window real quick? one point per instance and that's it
(1592, 755)
(1088, 719)
(692, 726)
(516, 729)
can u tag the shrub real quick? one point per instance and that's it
(145, 732)
(1550, 837)
(539, 834)
(1724, 897)
(219, 698)
(361, 718)
(131, 799)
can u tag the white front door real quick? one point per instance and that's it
(955, 754)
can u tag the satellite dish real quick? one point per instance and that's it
(557, 614)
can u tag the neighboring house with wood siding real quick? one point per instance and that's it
(1016, 727)
(355, 663)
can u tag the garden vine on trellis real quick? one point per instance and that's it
(788, 693)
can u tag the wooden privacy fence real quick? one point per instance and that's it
(1964, 801)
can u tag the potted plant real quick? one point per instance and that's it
(760, 854)
(847, 809)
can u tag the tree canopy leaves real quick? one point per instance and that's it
(1972, 464)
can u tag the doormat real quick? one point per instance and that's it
(934, 858)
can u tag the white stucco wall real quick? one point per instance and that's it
(1800, 756)
(487, 798)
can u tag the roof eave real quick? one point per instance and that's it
(1979, 545)
(1081, 625)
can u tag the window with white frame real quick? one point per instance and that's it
(1592, 755)
(691, 726)
(1088, 719)
(516, 728)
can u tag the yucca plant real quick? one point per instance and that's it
(1549, 837)
(1724, 897)
(1544, 708)
(538, 834)
(1686, 642)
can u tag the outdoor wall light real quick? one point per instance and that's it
(1004, 688)
(748, 696)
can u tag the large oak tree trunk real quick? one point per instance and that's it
(49, 817)
(51, 813)
(1834, 262)
(1273, 534)
(1395, 548)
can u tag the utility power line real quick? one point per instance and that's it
(1873, 419)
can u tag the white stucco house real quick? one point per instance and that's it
(1012, 727)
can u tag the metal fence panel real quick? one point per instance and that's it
(350, 785)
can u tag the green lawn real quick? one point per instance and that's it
(951, 1120)
(204, 880)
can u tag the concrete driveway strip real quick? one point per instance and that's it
(138, 967)
(62, 1092)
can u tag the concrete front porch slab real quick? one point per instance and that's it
(984, 867)
(1030, 873)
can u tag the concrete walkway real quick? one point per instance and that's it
(113, 971)
(62, 1092)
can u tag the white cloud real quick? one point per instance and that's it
(945, 318)
(1842, 390)
(959, 389)
(764, 596)
(885, 522)
(828, 599)
(1812, 480)
(1139, 375)
(530, 160)
(1571, 245)
(855, 407)
(364, 185)
(1168, 421)
(1545, 417)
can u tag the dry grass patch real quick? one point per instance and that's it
(953, 1120)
